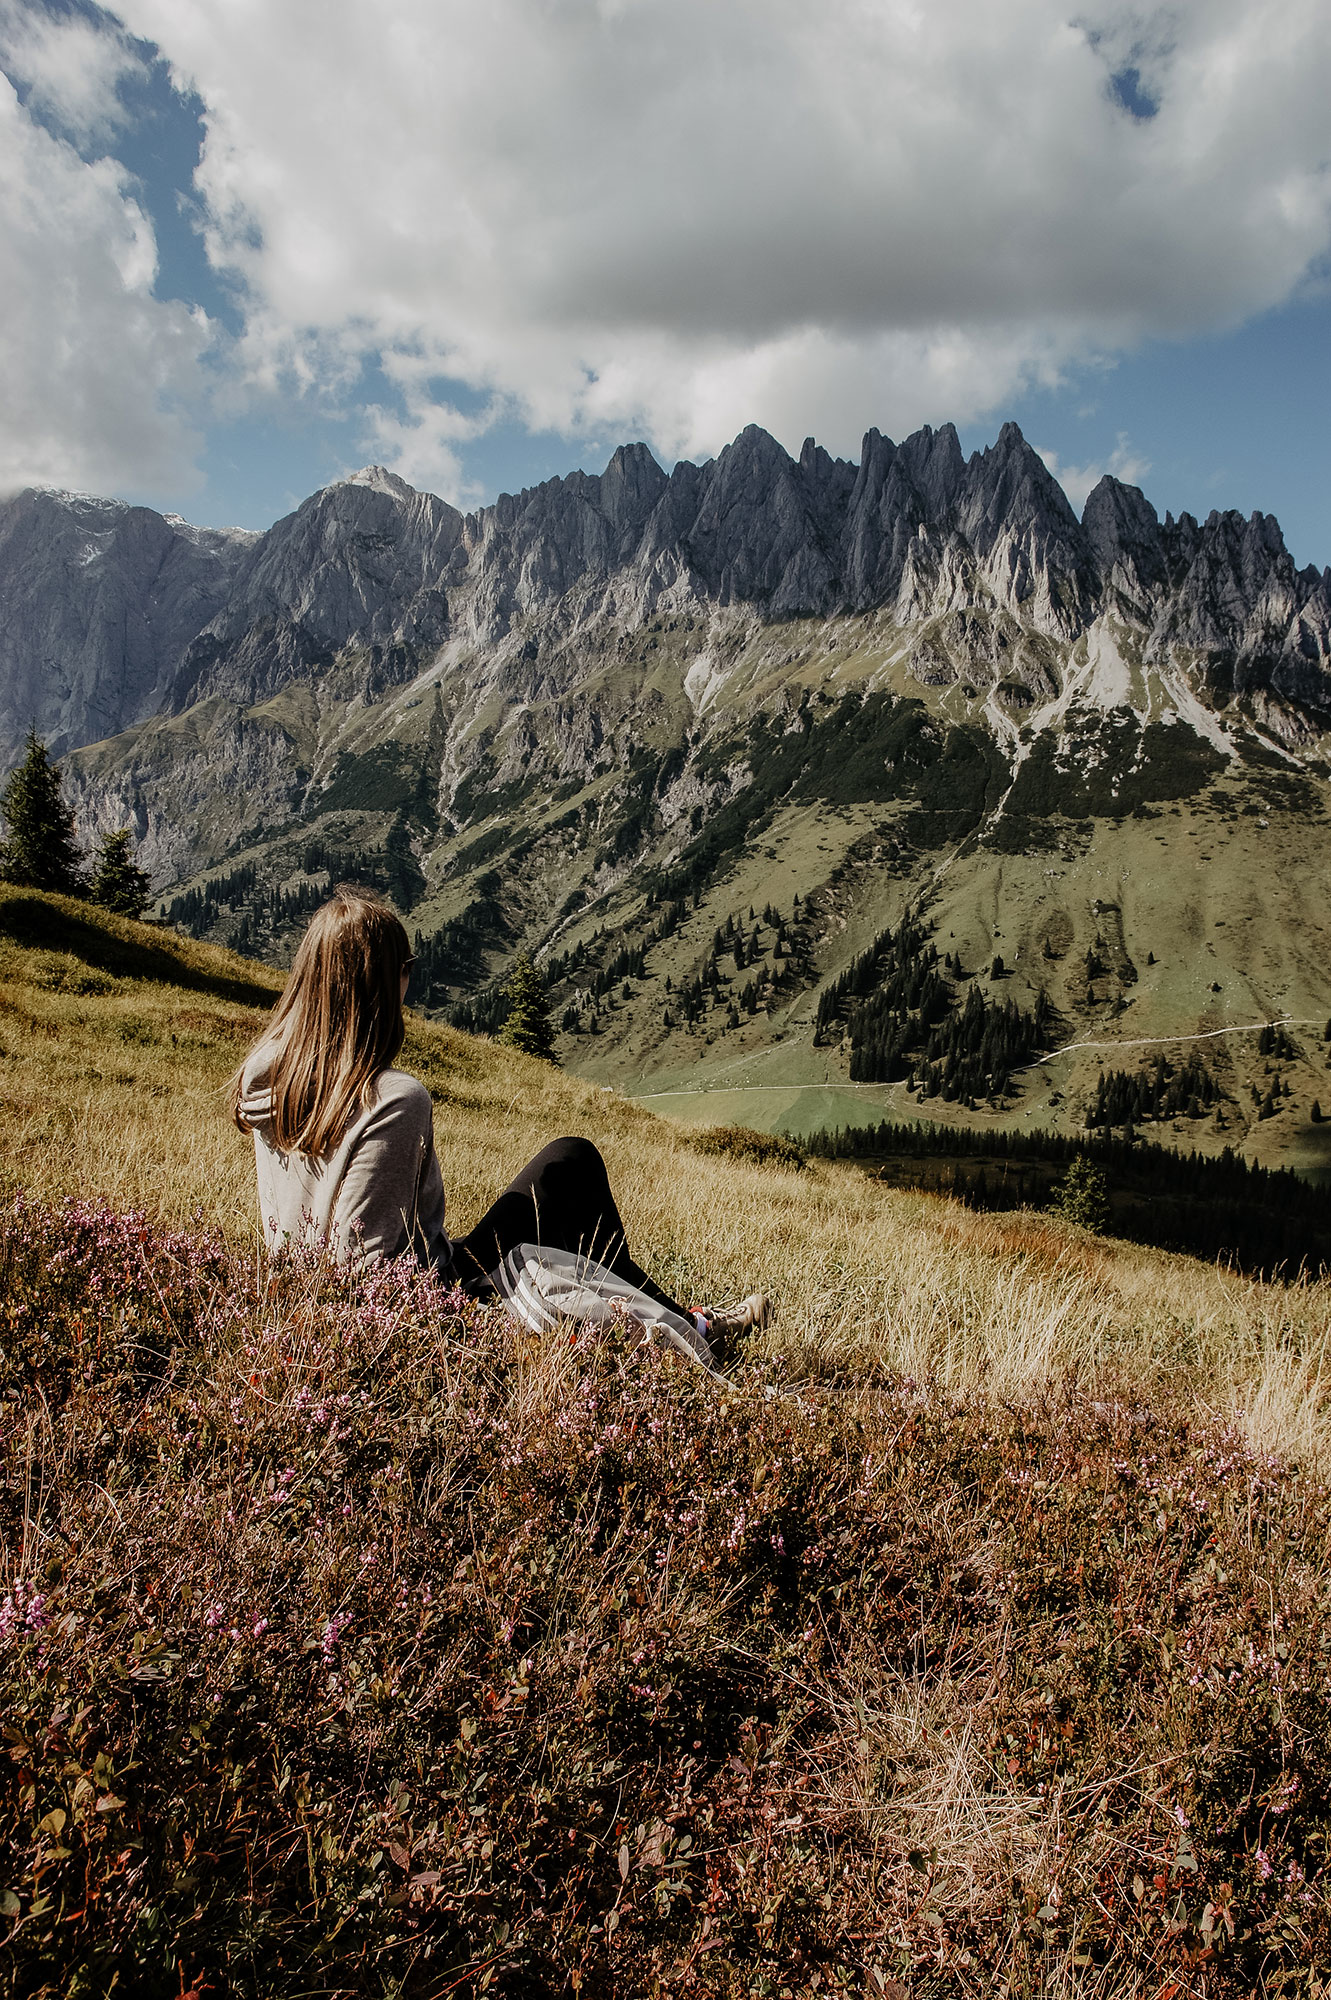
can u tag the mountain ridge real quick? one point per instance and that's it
(369, 561)
(603, 719)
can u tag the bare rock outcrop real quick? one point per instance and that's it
(114, 613)
(98, 602)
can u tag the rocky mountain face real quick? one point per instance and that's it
(916, 531)
(113, 613)
(98, 603)
(360, 564)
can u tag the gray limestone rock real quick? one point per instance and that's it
(98, 601)
(114, 613)
(359, 564)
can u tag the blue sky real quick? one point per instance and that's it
(253, 248)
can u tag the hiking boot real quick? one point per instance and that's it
(727, 1326)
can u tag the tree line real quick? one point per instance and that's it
(596, 975)
(1262, 1220)
(1164, 1090)
(263, 911)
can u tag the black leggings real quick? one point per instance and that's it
(562, 1200)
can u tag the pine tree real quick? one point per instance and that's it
(528, 1024)
(118, 883)
(406, 879)
(1082, 1196)
(41, 852)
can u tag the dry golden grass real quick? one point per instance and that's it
(118, 1039)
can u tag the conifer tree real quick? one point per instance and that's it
(1082, 1196)
(118, 883)
(40, 851)
(528, 1024)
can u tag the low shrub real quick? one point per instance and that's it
(61, 972)
(740, 1142)
(354, 1642)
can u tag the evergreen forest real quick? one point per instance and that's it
(1261, 1220)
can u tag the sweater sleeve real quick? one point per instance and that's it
(391, 1197)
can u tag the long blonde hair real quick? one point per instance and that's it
(337, 1025)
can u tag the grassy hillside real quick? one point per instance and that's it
(351, 1642)
(640, 819)
(118, 1039)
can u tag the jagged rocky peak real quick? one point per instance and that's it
(927, 529)
(530, 550)
(1236, 601)
(1007, 487)
(113, 610)
(1123, 535)
(1224, 594)
(630, 486)
(884, 511)
(761, 531)
(790, 536)
(380, 479)
(358, 564)
(933, 463)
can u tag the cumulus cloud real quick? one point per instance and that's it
(673, 217)
(95, 369)
(72, 65)
(423, 445)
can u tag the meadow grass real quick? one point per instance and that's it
(114, 1084)
(352, 1641)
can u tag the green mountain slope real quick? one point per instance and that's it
(831, 788)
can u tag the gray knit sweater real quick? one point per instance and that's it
(378, 1194)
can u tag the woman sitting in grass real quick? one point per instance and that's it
(344, 1143)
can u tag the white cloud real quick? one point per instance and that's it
(94, 367)
(1077, 480)
(73, 67)
(423, 446)
(673, 217)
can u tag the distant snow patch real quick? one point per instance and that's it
(380, 479)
